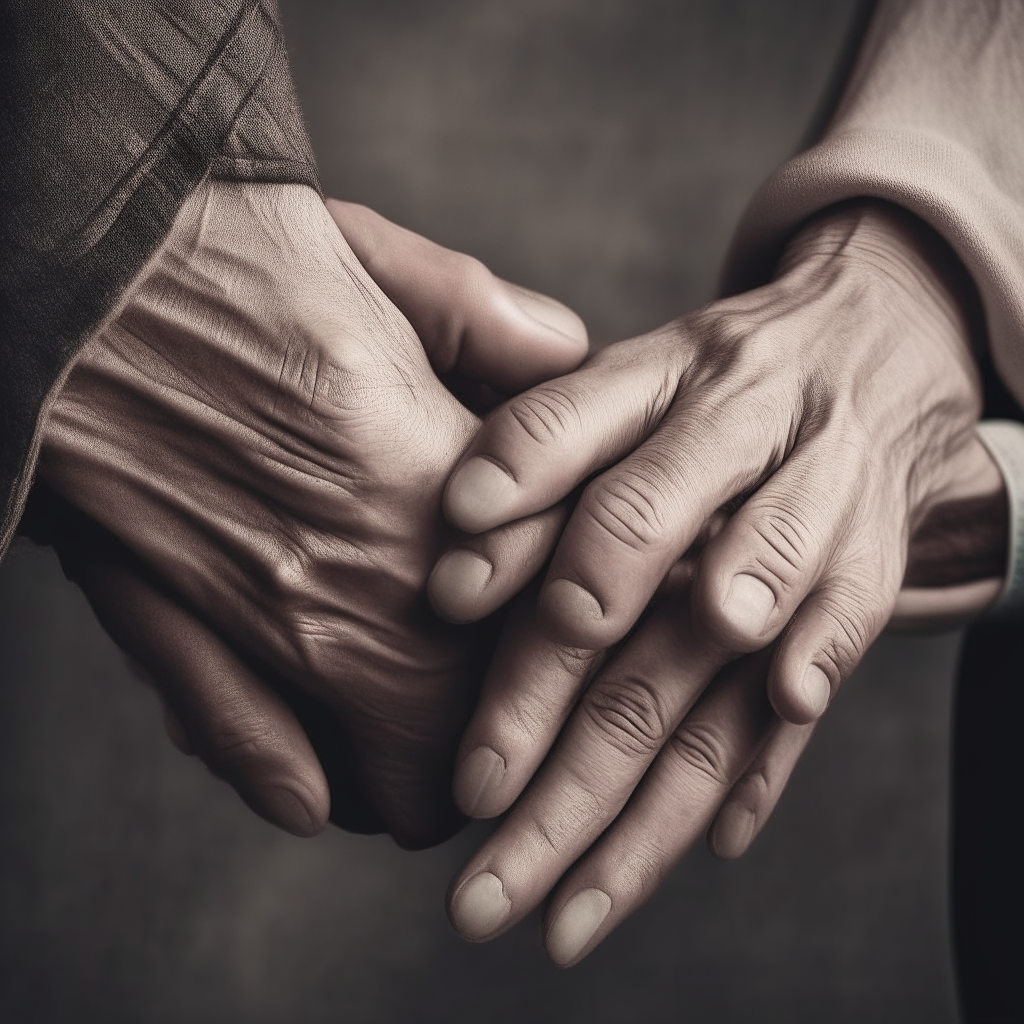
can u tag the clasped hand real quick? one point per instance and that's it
(770, 457)
(260, 444)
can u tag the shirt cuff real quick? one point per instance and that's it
(1004, 440)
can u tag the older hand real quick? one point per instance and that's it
(827, 415)
(265, 433)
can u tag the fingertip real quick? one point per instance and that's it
(479, 496)
(479, 907)
(478, 784)
(800, 697)
(737, 611)
(732, 831)
(456, 584)
(570, 614)
(552, 314)
(573, 929)
(291, 807)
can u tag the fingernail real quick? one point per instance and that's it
(550, 313)
(476, 783)
(748, 604)
(816, 689)
(457, 582)
(575, 925)
(573, 611)
(733, 831)
(286, 809)
(480, 906)
(478, 496)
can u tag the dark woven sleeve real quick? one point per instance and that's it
(110, 114)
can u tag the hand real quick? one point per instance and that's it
(829, 413)
(266, 434)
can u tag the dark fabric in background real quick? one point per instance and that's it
(601, 152)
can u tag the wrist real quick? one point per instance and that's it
(887, 246)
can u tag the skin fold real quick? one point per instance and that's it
(771, 455)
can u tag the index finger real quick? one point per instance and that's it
(617, 729)
(672, 808)
(529, 690)
(536, 448)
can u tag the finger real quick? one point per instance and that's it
(531, 686)
(772, 552)
(477, 577)
(535, 449)
(753, 799)
(828, 636)
(172, 723)
(469, 321)
(672, 808)
(242, 729)
(637, 519)
(351, 807)
(621, 723)
(408, 776)
(406, 753)
(529, 690)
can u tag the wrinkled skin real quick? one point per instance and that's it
(778, 450)
(267, 439)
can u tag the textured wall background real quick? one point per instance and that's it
(600, 151)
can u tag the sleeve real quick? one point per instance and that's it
(111, 113)
(932, 119)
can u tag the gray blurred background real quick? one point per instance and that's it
(601, 151)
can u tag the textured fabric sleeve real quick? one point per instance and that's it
(932, 119)
(1005, 441)
(110, 114)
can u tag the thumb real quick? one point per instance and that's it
(470, 322)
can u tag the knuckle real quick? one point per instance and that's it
(580, 813)
(851, 629)
(237, 740)
(648, 866)
(629, 715)
(528, 716)
(471, 281)
(473, 275)
(287, 570)
(546, 414)
(787, 543)
(311, 648)
(733, 335)
(703, 748)
(295, 602)
(534, 710)
(574, 662)
(629, 506)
